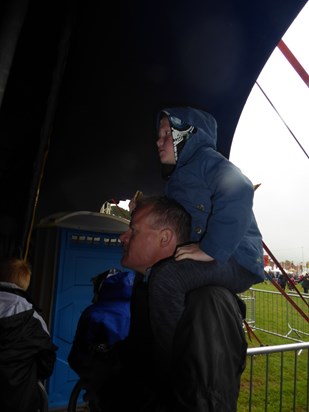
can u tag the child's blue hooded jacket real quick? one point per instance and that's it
(214, 191)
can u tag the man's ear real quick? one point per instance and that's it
(167, 237)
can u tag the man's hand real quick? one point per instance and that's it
(192, 251)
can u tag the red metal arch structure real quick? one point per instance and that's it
(80, 84)
(294, 62)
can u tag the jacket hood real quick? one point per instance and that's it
(118, 285)
(194, 125)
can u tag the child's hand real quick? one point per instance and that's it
(192, 251)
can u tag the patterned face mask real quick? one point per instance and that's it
(180, 136)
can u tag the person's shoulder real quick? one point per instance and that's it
(162, 264)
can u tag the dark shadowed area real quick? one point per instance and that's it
(81, 83)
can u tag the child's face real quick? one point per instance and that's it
(165, 143)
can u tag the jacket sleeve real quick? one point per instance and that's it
(44, 347)
(231, 214)
(46, 360)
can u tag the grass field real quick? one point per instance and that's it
(286, 372)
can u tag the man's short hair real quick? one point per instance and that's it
(168, 213)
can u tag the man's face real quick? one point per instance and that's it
(165, 143)
(141, 243)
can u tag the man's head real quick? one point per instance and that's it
(158, 225)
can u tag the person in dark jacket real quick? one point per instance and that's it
(27, 353)
(100, 326)
(201, 370)
(305, 283)
(282, 281)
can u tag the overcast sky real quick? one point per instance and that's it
(266, 151)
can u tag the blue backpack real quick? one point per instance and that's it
(106, 321)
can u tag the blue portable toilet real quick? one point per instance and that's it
(68, 250)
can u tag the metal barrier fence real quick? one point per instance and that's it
(271, 312)
(276, 379)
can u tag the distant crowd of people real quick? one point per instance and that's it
(287, 280)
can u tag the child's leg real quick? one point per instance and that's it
(171, 280)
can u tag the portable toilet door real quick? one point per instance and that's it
(68, 254)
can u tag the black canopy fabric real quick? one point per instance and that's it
(81, 83)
